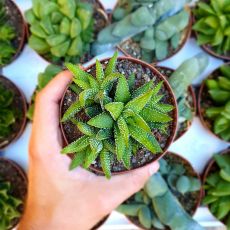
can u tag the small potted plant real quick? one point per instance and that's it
(217, 187)
(12, 32)
(211, 27)
(62, 31)
(13, 190)
(148, 31)
(214, 102)
(12, 112)
(156, 206)
(117, 115)
(43, 79)
(180, 81)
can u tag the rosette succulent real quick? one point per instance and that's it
(213, 25)
(7, 36)
(219, 92)
(120, 118)
(154, 27)
(156, 205)
(43, 79)
(217, 192)
(7, 114)
(8, 206)
(61, 30)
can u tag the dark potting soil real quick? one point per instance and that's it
(19, 108)
(15, 20)
(10, 172)
(189, 200)
(143, 75)
(182, 126)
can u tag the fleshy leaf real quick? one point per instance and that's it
(71, 111)
(115, 109)
(122, 91)
(103, 120)
(105, 160)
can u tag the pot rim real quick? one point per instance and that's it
(199, 198)
(202, 118)
(174, 122)
(24, 118)
(187, 33)
(192, 94)
(23, 29)
(101, 10)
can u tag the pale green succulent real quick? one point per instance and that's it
(154, 25)
(8, 206)
(156, 206)
(61, 30)
(119, 117)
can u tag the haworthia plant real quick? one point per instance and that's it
(61, 30)
(7, 113)
(217, 189)
(8, 206)
(7, 36)
(183, 76)
(119, 117)
(156, 206)
(213, 25)
(43, 79)
(154, 25)
(219, 92)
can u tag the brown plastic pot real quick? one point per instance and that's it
(208, 48)
(19, 100)
(184, 38)
(13, 173)
(174, 112)
(99, 224)
(98, 10)
(201, 97)
(191, 93)
(191, 172)
(211, 167)
(20, 30)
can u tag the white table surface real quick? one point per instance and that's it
(197, 145)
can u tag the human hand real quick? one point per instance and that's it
(63, 199)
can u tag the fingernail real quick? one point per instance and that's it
(154, 168)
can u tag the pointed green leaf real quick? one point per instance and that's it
(71, 111)
(164, 108)
(76, 146)
(103, 134)
(90, 157)
(123, 129)
(151, 115)
(103, 120)
(110, 68)
(120, 144)
(84, 128)
(95, 145)
(122, 91)
(157, 88)
(87, 94)
(77, 160)
(115, 109)
(99, 71)
(145, 138)
(110, 79)
(126, 159)
(143, 89)
(109, 145)
(131, 81)
(105, 160)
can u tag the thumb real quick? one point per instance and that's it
(121, 187)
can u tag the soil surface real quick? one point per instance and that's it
(16, 20)
(182, 126)
(189, 200)
(11, 172)
(143, 75)
(19, 106)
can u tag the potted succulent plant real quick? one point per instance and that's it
(43, 79)
(214, 102)
(150, 31)
(12, 112)
(12, 32)
(212, 27)
(62, 31)
(13, 190)
(118, 115)
(216, 185)
(180, 81)
(169, 198)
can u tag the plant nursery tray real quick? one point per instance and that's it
(197, 145)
